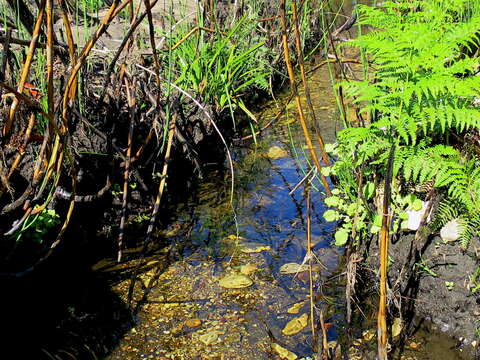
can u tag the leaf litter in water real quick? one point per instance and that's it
(296, 325)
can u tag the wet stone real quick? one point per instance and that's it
(236, 281)
(193, 323)
(276, 152)
(284, 353)
(292, 268)
(252, 248)
(210, 337)
(248, 269)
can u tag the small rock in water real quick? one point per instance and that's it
(295, 308)
(252, 248)
(236, 281)
(368, 334)
(451, 231)
(284, 353)
(276, 152)
(210, 337)
(397, 327)
(293, 268)
(193, 323)
(296, 325)
(248, 269)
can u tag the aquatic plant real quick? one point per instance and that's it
(415, 109)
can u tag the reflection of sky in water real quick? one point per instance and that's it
(272, 216)
(266, 212)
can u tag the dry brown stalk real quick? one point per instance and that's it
(50, 90)
(293, 86)
(153, 46)
(126, 174)
(125, 43)
(156, 208)
(310, 259)
(81, 61)
(26, 68)
(190, 33)
(70, 42)
(301, 64)
(382, 333)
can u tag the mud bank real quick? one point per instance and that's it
(431, 288)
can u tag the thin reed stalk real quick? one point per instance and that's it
(301, 64)
(293, 86)
(72, 80)
(152, 44)
(50, 36)
(26, 68)
(310, 259)
(382, 333)
(126, 173)
(70, 42)
(156, 208)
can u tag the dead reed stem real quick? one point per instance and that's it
(382, 334)
(50, 90)
(301, 64)
(293, 86)
(310, 259)
(70, 42)
(156, 208)
(126, 173)
(81, 61)
(153, 46)
(25, 68)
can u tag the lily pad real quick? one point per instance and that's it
(276, 152)
(296, 325)
(236, 281)
(284, 353)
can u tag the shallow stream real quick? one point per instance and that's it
(216, 295)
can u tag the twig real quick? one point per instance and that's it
(126, 173)
(156, 208)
